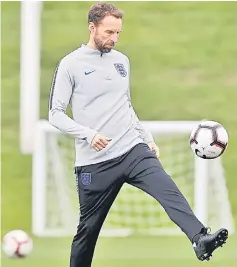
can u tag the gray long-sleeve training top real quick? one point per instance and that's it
(96, 86)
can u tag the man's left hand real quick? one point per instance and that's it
(153, 147)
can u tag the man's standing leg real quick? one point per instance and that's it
(98, 186)
(146, 172)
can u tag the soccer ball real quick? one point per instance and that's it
(17, 244)
(208, 139)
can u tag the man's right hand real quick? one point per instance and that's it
(99, 142)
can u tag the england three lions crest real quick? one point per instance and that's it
(120, 69)
(86, 178)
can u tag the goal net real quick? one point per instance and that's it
(55, 201)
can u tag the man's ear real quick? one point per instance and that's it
(91, 27)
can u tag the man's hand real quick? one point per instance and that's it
(99, 142)
(153, 147)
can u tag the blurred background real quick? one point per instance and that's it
(183, 67)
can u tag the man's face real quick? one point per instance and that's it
(106, 33)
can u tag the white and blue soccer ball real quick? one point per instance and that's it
(208, 140)
(17, 244)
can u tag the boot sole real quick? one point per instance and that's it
(217, 242)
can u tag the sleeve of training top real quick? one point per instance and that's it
(144, 133)
(61, 92)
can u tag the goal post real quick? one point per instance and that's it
(55, 207)
(30, 49)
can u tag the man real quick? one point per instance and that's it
(112, 147)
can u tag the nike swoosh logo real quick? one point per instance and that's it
(89, 72)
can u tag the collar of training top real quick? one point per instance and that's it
(91, 51)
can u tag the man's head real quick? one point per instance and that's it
(105, 24)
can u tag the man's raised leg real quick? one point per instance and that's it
(147, 174)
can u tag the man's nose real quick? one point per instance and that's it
(114, 38)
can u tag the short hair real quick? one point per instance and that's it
(101, 10)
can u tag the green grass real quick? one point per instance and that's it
(183, 58)
(120, 252)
